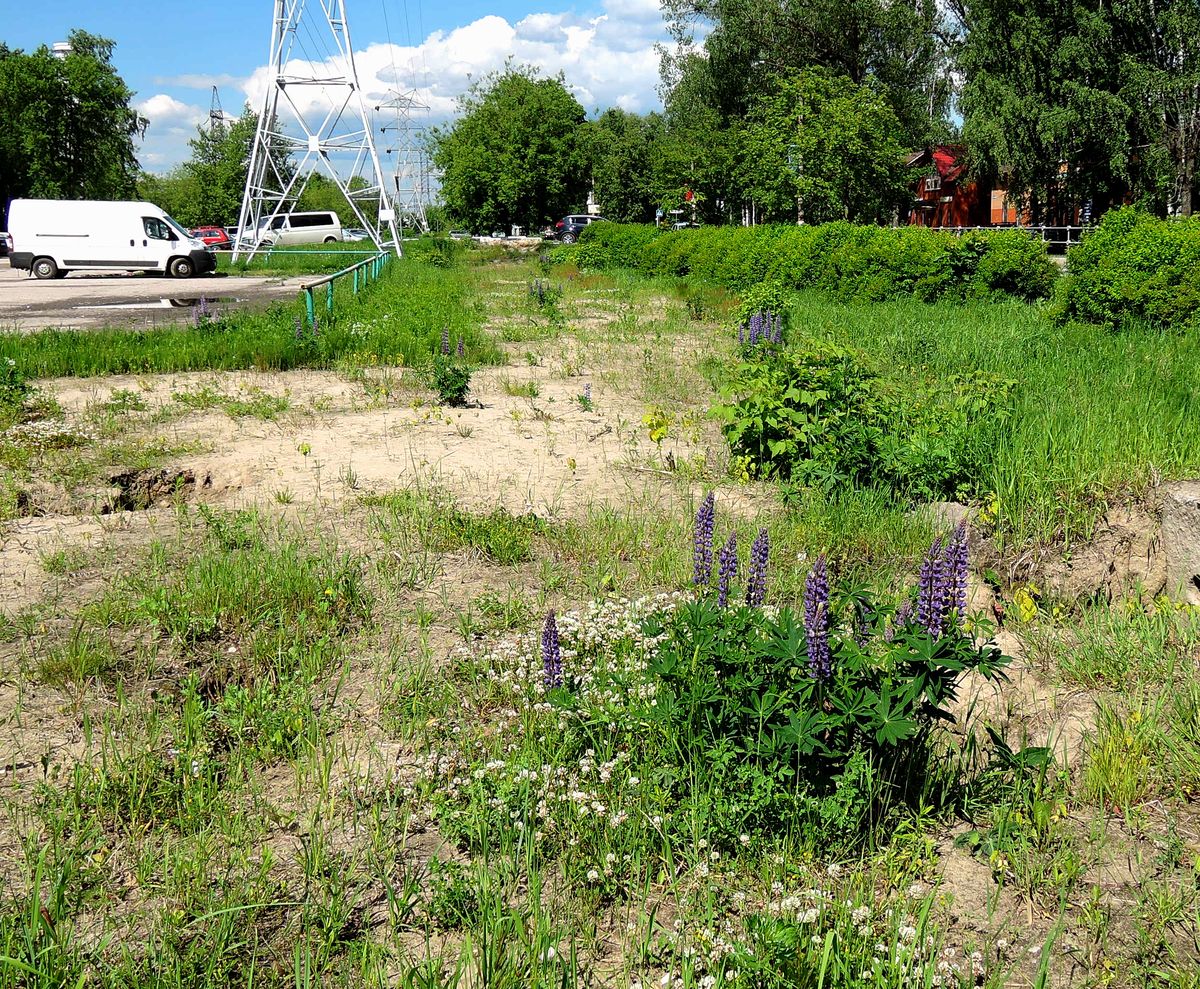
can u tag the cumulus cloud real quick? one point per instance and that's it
(607, 58)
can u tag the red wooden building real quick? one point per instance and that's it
(946, 197)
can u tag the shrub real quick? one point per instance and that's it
(822, 417)
(847, 260)
(451, 380)
(1134, 270)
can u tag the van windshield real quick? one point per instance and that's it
(183, 234)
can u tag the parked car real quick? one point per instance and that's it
(214, 237)
(52, 237)
(570, 227)
(685, 225)
(5, 244)
(355, 234)
(459, 235)
(322, 227)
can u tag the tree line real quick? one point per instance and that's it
(784, 110)
(803, 110)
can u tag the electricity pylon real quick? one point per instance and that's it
(410, 178)
(334, 125)
(216, 116)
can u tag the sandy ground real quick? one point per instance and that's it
(135, 301)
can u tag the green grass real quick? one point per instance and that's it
(397, 320)
(1095, 412)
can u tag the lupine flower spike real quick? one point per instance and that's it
(931, 590)
(702, 542)
(551, 653)
(816, 620)
(756, 581)
(461, 350)
(446, 340)
(727, 568)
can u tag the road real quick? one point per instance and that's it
(89, 300)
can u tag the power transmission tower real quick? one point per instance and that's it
(410, 173)
(216, 116)
(320, 94)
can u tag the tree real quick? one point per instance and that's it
(818, 147)
(624, 148)
(517, 154)
(892, 45)
(1159, 42)
(68, 130)
(217, 169)
(1042, 102)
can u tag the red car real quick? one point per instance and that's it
(214, 237)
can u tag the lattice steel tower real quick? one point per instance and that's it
(410, 172)
(334, 126)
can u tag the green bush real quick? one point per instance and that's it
(847, 260)
(1134, 270)
(738, 695)
(822, 417)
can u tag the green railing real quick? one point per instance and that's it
(362, 273)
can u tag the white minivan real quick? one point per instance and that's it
(52, 237)
(322, 227)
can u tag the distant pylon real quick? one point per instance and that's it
(216, 116)
(410, 171)
(334, 125)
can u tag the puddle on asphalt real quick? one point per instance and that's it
(164, 303)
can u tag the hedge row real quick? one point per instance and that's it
(849, 261)
(1134, 270)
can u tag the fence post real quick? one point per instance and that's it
(329, 297)
(308, 306)
(356, 281)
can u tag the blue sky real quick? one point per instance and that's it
(172, 54)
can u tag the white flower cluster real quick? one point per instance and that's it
(605, 653)
(47, 434)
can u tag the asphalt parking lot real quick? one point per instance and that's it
(89, 300)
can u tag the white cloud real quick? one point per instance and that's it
(165, 111)
(606, 58)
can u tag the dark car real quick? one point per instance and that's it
(214, 237)
(5, 244)
(570, 227)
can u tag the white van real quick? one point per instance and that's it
(322, 227)
(52, 237)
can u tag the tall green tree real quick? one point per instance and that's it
(1042, 102)
(624, 149)
(517, 154)
(68, 129)
(892, 45)
(819, 147)
(1159, 44)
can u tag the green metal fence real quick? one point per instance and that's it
(363, 274)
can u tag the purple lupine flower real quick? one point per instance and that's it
(958, 568)
(203, 307)
(756, 323)
(461, 350)
(741, 334)
(587, 391)
(900, 619)
(727, 568)
(777, 337)
(756, 579)
(551, 653)
(446, 341)
(816, 620)
(702, 542)
(934, 593)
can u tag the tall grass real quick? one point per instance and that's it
(1096, 413)
(397, 320)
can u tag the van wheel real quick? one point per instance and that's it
(45, 268)
(181, 268)
(330, 240)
